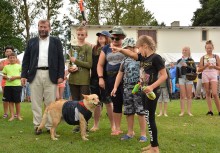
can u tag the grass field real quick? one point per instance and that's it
(197, 134)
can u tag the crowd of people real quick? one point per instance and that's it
(110, 69)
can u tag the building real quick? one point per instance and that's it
(170, 39)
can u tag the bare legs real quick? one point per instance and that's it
(212, 87)
(18, 111)
(97, 114)
(162, 110)
(185, 95)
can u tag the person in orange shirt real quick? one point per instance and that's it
(3, 63)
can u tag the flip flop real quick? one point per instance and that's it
(142, 139)
(126, 137)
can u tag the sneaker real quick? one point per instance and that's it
(210, 113)
(165, 115)
(48, 131)
(37, 132)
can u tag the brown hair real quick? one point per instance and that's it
(12, 54)
(144, 39)
(44, 21)
(9, 47)
(209, 42)
(108, 41)
(81, 28)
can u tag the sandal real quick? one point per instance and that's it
(142, 139)
(5, 116)
(126, 137)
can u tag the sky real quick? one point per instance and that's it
(168, 11)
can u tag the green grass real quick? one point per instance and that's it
(197, 134)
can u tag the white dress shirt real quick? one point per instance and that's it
(43, 52)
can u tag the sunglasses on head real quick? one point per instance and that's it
(115, 38)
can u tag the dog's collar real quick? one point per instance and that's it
(82, 104)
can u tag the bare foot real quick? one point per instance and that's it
(190, 114)
(152, 150)
(11, 119)
(159, 115)
(146, 148)
(93, 129)
(20, 118)
(181, 114)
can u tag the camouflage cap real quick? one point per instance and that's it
(117, 30)
(128, 42)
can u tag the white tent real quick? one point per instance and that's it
(173, 57)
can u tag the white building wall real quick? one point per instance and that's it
(170, 40)
(173, 40)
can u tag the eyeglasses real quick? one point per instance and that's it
(115, 38)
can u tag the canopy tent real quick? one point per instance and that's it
(173, 57)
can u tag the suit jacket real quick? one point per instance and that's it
(55, 60)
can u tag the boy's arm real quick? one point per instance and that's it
(126, 52)
(88, 63)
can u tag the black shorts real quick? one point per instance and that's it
(12, 94)
(104, 97)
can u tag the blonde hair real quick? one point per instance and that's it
(144, 39)
(81, 28)
(187, 48)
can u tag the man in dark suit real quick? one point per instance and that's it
(43, 68)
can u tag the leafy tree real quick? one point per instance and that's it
(117, 12)
(208, 14)
(8, 35)
(136, 14)
(25, 13)
(94, 11)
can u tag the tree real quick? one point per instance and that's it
(136, 14)
(116, 12)
(25, 14)
(93, 11)
(208, 14)
(8, 35)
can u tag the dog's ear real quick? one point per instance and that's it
(85, 96)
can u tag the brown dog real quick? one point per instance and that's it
(74, 113)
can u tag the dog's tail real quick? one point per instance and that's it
(44, 120)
